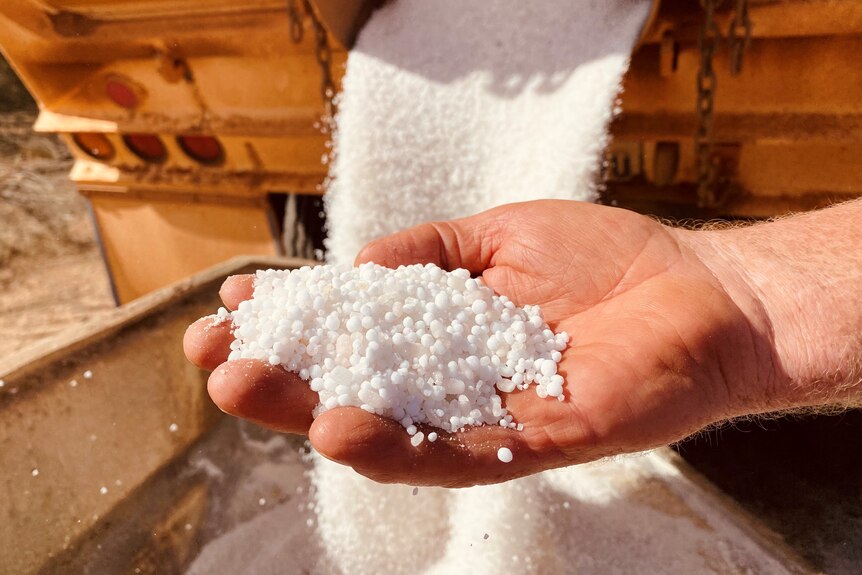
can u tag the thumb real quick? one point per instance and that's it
(469, 243)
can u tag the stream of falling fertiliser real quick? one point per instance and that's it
(449, 108)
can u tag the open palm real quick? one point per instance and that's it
(658, 348)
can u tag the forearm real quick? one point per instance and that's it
(800, 281)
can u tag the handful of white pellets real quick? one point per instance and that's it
(416, 344)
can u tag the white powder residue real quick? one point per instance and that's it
(221, 316)
(633, 515)
(218, 318)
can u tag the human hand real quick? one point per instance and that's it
(667, 337)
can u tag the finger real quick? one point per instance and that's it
(236, 289)
(263, 393)
(380, 449)
(465, 243)
(206, 342)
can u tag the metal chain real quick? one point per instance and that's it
(323, 54)
(297, 30)
(739, 42)
(707, 41)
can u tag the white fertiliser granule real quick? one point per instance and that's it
(416, 344)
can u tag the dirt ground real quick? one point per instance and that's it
(51, 272)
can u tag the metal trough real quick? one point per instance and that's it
(131, 469)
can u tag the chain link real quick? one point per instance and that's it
(323, 54)
(739, 42)
(707, 42)
(297, 30)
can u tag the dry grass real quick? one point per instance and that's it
(51, 273)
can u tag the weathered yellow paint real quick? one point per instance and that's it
(150, 240)
(210, 67)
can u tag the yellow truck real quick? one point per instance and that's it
(197, 125)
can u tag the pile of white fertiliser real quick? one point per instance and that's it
(416, 344)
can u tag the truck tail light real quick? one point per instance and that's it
(206, 150)
(147, 147)
(95, 145)
(121, 93)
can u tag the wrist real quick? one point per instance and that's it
(798, 283)
(757, 377)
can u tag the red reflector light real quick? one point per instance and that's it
(146, 146)
(95, 145)
(204, 149)
(121, 93)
